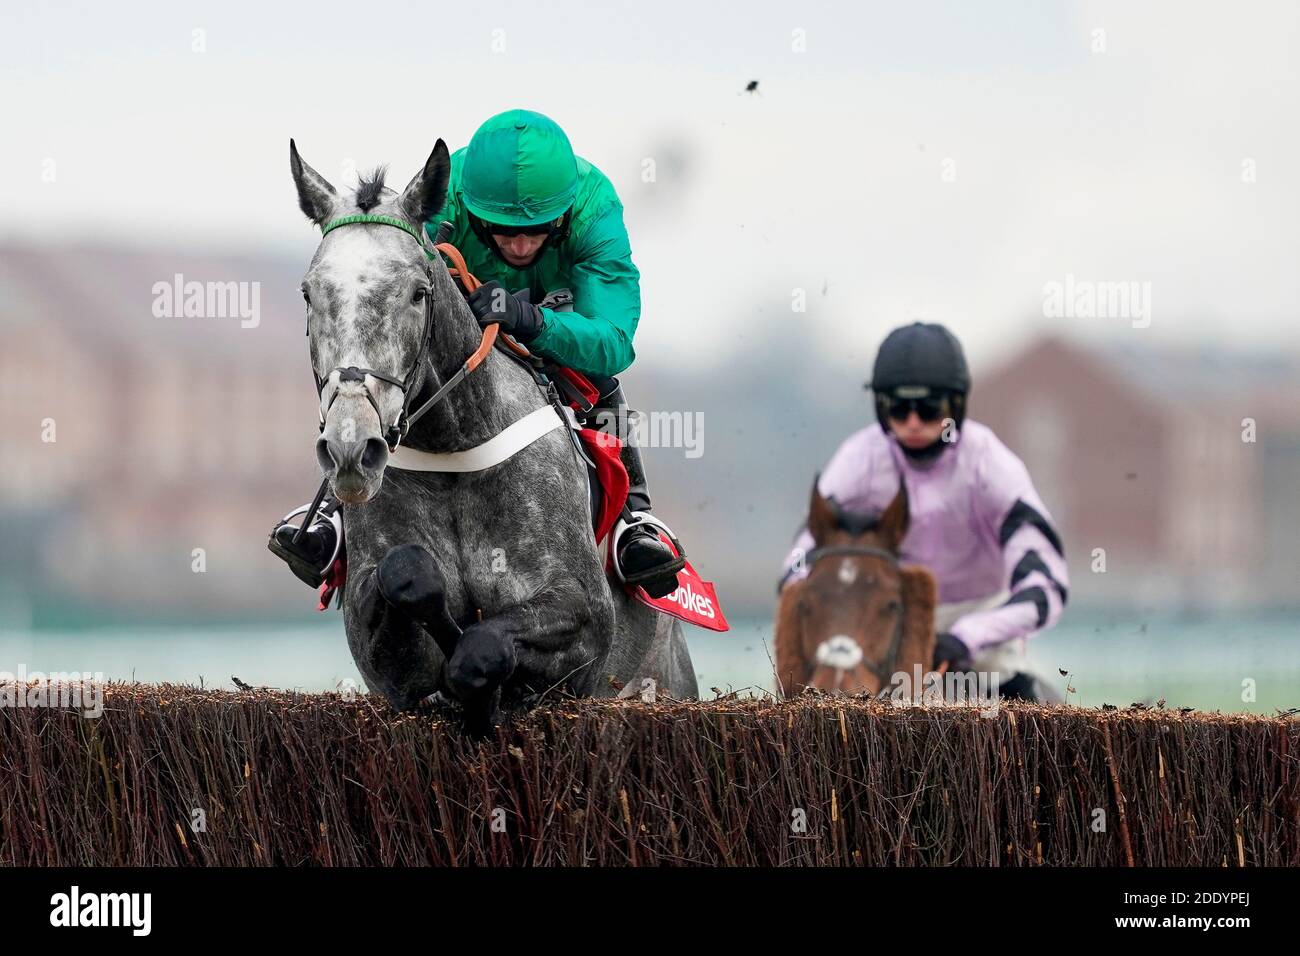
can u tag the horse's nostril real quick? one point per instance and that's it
(375, 455)
(324, 458)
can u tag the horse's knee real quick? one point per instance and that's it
(408, 578)
(485, 657)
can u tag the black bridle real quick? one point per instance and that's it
(885, 668)
(395, 432)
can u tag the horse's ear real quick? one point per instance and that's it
(893, 523)
(426, 193)
(316, 197)
(822, 515)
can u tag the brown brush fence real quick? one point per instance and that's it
(290, 779)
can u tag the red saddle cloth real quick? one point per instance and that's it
(606, 453)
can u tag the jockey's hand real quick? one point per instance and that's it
(517, 316)
(950, 650)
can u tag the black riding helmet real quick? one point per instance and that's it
(921, 360)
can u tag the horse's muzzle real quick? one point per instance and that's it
(840, 667)
(355, 468)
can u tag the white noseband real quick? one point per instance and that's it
(839, 652)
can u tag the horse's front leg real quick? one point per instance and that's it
(538, 637)
(404, 634)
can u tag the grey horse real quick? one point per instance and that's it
(483, 589)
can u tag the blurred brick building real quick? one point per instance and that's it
(1147, 455)
(170, 433)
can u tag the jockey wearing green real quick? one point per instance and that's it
(534, 222)
(517, 181)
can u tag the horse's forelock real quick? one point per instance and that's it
(371, 190)
(854, 522)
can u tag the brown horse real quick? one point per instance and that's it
(859, 617)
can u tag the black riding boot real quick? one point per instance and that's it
(311, 556)
(641, 555)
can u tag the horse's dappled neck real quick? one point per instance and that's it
(489, 399)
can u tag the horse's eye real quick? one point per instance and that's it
(419, 295)
(893, 607)
(306, 297)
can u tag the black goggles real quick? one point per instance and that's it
(930, 408)
(541, 229)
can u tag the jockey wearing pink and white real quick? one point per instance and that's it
(976, 520)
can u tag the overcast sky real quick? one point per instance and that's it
(899, 161)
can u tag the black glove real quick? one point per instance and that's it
(514, 313)
(949, 649)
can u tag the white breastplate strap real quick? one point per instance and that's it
(513, 438)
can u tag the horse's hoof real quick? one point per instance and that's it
(440, 705)
(484, 658)
(479, 718)
(408, 578)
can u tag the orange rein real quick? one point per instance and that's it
(461, 271)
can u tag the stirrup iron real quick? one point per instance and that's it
(294, 559)
(636, 519)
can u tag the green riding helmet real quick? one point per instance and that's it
(519, 170)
